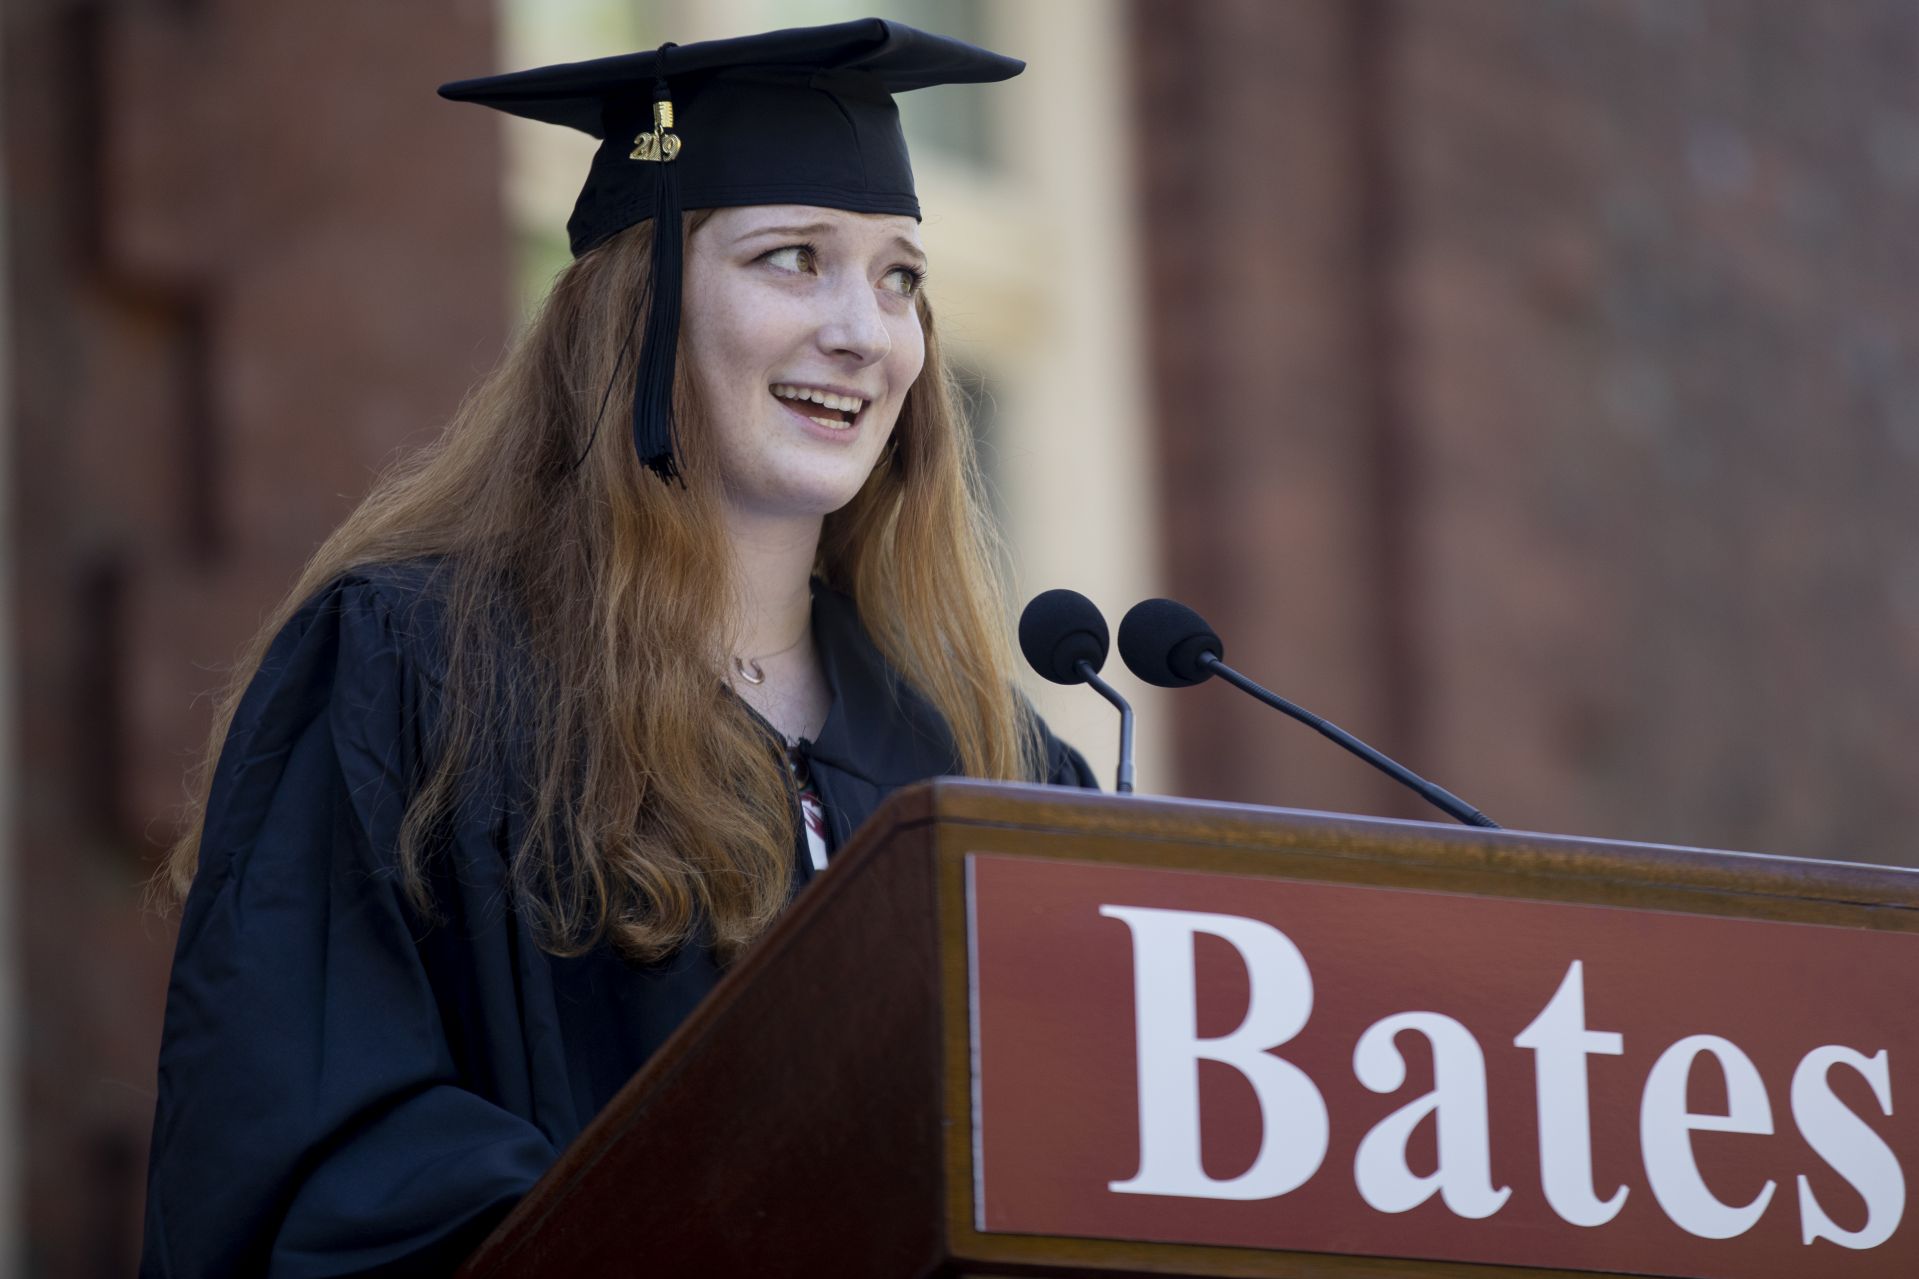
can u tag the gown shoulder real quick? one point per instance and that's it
(311, 1119)
(1064, 765)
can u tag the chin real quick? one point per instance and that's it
(796, 494)
(825, 499)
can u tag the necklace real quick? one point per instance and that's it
(749, 670)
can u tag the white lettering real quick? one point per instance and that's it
(1854, 1150)
(1561, 1043)
(1293, 1114)
(1458, 1105)
(1666, 1128)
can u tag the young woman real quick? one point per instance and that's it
(559, 720)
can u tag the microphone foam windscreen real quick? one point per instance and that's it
(1161, 642)
(1059, 630)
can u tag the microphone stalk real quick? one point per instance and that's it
(1439, 796)
(1123, 783)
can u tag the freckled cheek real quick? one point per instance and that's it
(908, 358)
(738, 337)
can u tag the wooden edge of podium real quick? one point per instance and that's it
(1244, 839)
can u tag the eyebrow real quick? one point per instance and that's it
(821, 229)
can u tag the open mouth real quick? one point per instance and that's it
(835, 412)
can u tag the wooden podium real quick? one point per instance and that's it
(937, 1063)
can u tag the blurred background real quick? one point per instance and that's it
(1531, 386)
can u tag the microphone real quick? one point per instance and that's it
(1169, 645)
(1064, 638)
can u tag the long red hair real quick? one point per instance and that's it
(657, 803)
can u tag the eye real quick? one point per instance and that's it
(797, 258)
(905, 280)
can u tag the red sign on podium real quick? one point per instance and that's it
(1210, 1059)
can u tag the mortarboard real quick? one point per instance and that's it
(804, 116)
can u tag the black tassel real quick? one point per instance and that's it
(653, 427)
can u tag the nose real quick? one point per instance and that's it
(853, 330)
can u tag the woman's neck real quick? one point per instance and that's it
(778, 670)
(773, 564)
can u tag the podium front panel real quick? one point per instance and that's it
(1339, 1047)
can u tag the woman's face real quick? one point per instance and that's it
(803, 333)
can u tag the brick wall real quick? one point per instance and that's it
(1537, 391)
(252, 255)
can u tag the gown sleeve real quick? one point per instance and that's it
(1065, 766)
(311, 1119)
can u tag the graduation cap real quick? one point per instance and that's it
(804, 116)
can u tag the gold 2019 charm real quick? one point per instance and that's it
(658, 143)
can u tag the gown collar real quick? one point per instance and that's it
(879, 728)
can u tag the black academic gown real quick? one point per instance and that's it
(345, 1089)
